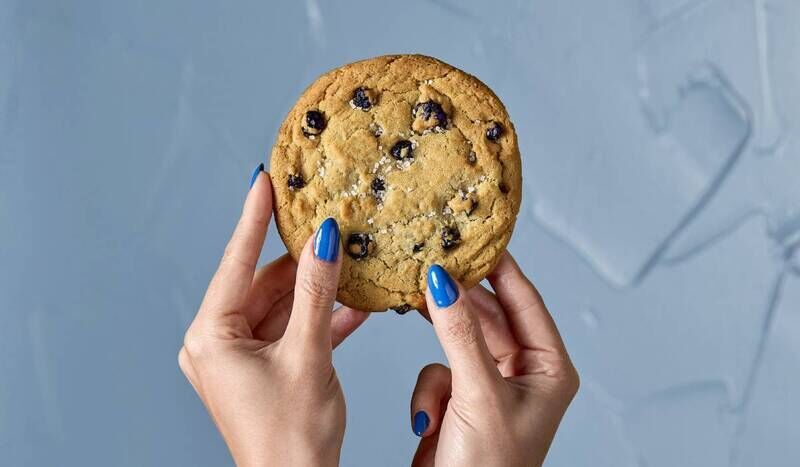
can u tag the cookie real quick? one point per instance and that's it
(416, 160)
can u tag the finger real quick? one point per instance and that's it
(315, 288)
(270, 284)
(430, 394)
(459, 332)
(499, 338)
(272, 327)
(230, 285)
(425, 456)
(345, 320)
(530, 321)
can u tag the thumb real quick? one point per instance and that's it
(315, 289)
(459, 331)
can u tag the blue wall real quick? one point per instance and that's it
(661, 151)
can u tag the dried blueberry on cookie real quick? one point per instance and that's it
(378, 187)
(402, 149)
(359, 245)
(429, 116)
(451, 237)
(494, 132)
(314, 123)
(402, 309)
(295, 182)
(363, 99)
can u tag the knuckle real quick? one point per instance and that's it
(197, 345)
(230, 256)
(492, 315)
(567, 379)
(183, 361)
(317, 286)
(573, 382)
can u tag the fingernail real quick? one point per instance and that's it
(259, 168)
(421, 422)
(326, 244)
(442, 287)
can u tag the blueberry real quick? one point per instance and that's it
(358, 245)
(472, 158)
(431, 110)
(494, 132)
(378, 186)
(296, 182)
(314, 123)
(402, 309)
(361, 99)
(402, 150)
(451, 237)
(417, 247)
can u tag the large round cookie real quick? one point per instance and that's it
(416, 160)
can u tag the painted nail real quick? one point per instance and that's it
(442, 287)
(421, 422)
(259, 168)
(326, 243)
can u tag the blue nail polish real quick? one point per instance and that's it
(258, 170)
(421, 422)
(442, 287)
(326, 243)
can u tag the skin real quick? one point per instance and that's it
(259, 351)
(259, 355)
(510, 383)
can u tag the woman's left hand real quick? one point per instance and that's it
(259, 351)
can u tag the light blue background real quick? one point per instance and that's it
(661, 214)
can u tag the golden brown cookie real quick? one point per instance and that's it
(416, 160)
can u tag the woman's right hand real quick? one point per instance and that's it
(511, 379)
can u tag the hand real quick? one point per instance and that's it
(259, 351)
(511, 378)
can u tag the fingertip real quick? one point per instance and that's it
(443, 289)
(256, 172)
(258, 203)
(326, 241)
(420, 423)
(431, 393)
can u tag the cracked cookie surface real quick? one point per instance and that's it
(416, 160)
